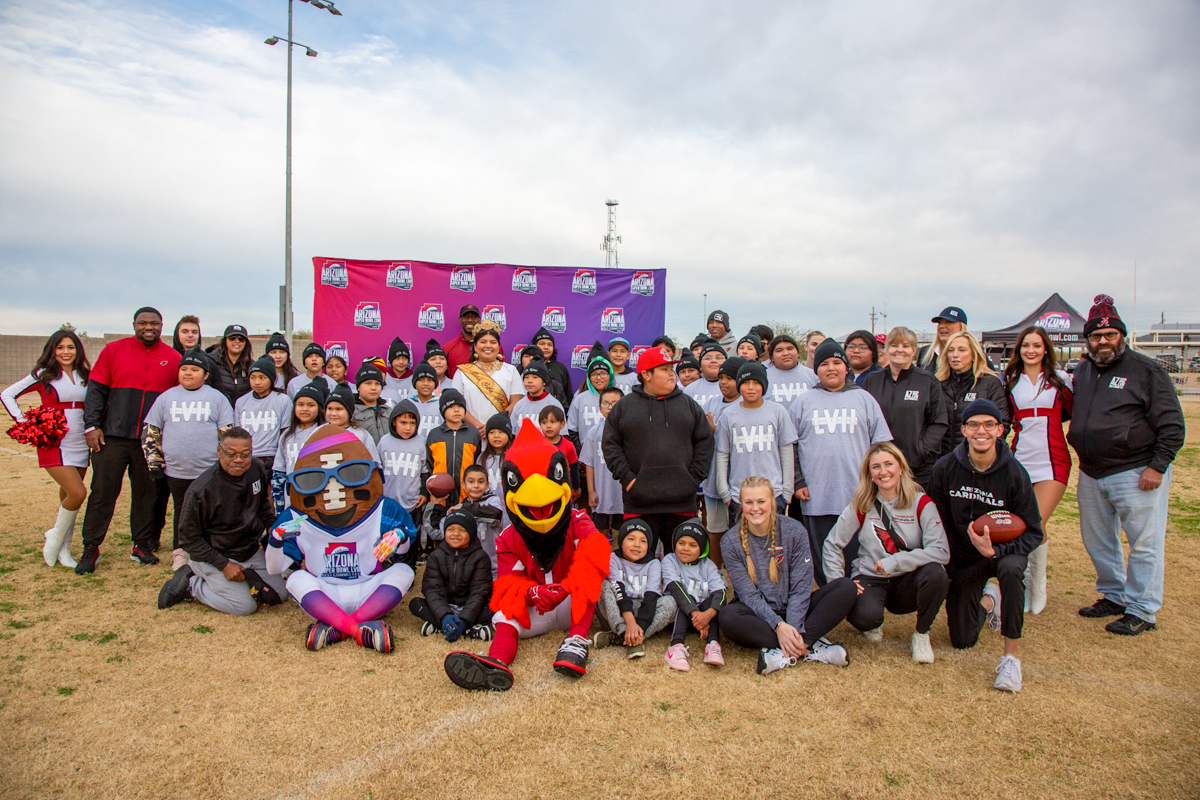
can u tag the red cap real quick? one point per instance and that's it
(654, 357)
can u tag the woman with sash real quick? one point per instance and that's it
(489, 385)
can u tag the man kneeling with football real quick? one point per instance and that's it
(991, 518)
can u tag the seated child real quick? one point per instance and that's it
(484, 507)
(603, 490)
(456, 595)
(630, 598)
(695, 583)
(551, 421)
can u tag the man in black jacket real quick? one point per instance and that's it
(1126, 426)
(659, 445)
(225, 512)
(978, 476)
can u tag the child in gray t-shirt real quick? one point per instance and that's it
(755, 438)
(604, 491)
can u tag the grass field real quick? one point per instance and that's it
(103, 696)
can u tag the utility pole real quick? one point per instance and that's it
(872, 320)
(705, 321)
(610, 241)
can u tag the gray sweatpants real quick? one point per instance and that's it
(664, 611)
(209, 586)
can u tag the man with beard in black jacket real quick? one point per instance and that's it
(225, 513)
(978, 476)
(1126, 426)
(659, 445)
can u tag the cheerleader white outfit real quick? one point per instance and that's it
(63, 393)
(1038, 412)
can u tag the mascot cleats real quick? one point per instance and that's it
(322, 634)
(376, 635)
(480, 673)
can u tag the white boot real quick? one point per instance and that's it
(64, 552)
(56, 535)
(1035, 580)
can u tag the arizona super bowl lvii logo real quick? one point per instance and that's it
(463, 279)
(584, 282)
(579, 356)
(1055, 321)
(366, 315)
(338, 349)
(525, 280)
(496, 315)
(636, 354)
(400, 276)
(642, 283)
(613, 320)
(335, 274)
(430, 316)
(554, 319)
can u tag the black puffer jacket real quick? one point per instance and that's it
(232, 381)
(961, 389)
(462, 577)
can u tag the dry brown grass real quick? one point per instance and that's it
(103, 696)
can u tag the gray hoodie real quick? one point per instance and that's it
(402, 460)
(920, 528)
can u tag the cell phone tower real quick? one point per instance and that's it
(611, 240)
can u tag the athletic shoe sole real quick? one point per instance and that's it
(384, 631)
(569, 669)
(477, 674)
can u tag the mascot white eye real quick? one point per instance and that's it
(512, 479)
(559, 472)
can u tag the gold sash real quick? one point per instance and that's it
(491, 390)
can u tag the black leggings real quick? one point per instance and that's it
(827, 607)
(819, 528)
(964, 612)
(923, 590)
(179, 487)
(683, 624)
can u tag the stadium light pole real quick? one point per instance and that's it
(324, 5)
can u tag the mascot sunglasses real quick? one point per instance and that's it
(314, 479)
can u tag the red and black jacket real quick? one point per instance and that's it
(126, 380)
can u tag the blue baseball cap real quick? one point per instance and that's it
(951, 314)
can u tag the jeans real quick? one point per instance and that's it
(1107, 505)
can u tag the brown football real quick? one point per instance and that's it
(440, 484)
(1002, 525)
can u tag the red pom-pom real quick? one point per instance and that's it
(43, 427)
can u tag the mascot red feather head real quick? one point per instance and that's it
(537, 493)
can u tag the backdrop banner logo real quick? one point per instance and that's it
(366, 304)
(516, 355)
(636, 354)
(1055, 321)
(338, 349)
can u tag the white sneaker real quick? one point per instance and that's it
(828, 653)
(874, 635)
(773, 660)
(922, 650)
(993, 617)
(1008, 674)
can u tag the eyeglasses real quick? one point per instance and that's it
(607, 405)
(235, 456)
(988, 426)
(1103, 337)
(315, 479)
(850, 347)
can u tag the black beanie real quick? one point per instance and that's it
(313, 349)
(700, 340)
(537, 367)
(752, 371)
(194, 358)
(451, 397)
(712, 346)
(730, 366)
(424, 370)
(460, 517)
(343, 395)
(721, 317)
(147, 310)
(637, 524)
(829, 349)
(694, 529)
(980, 406)
(751, 338)
(368, 372)
(432, 348)
(686, 361)
(265, 365)
(278, 342)
(316, 389)
(543, 334)
(498, 422)
(398, 348)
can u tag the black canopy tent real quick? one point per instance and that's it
(1062, 323)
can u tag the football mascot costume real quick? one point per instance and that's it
(550, 564)
(345, 531)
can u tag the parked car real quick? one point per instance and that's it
(1072, 363)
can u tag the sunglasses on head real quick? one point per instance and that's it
(348, 474)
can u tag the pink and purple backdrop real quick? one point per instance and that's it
(359, 307)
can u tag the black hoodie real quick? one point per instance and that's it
(665, 443)
(558, 370)
(462, 577)
(963, 495)
(915, 409)
(214, 377)
(960, 389)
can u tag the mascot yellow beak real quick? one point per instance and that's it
(539, 502)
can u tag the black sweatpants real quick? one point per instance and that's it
(683, 624)
(162, 495)
(923, 590)
(827, 607)
(110, 464)
(818, 528)
(421, 610)
(268, 462)
(964, 612)
(179, 487)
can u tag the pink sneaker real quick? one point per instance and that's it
(677, 658)
(712, 654)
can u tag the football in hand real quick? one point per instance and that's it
(1002, 525)
(440, 484)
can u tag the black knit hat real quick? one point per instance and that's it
(829, 349)
(542, 333)
(688, 361)
(265, 365)
(368, 372)
(278, 342)
(719, 316)
(637, 524)
(396, 349)
(700, 340)
(343, 395)
(692, 528)
(498, 422)
(424, 370)
(752, 371)
(712, 346)
(729, 366)
(316, 389)
(432, 348)
(313, 349)
(1103, 314)
(194, 358)
(460, 517)
(451, 397)
(537, 367)
(752, 339)
(981, 406)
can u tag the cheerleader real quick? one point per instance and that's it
(1041, 399)
(60, 378)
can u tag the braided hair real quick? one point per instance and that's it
(758, 482)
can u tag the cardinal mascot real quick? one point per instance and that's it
(550, 564)
(339, 524)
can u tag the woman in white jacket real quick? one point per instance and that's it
(901, 549)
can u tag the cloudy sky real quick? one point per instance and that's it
(794, 161)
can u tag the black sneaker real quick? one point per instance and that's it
(260, 590)
(177, 589)
(572, 657)
(88, 561)
(142, 556)
(1102, 608)
(1129, 625)
(480, 673)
